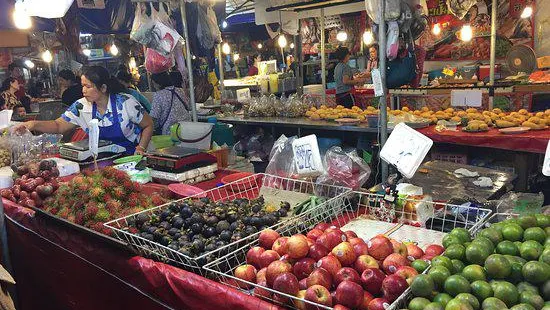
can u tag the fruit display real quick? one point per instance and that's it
(5, 156)
(331, 267)
(326, 113)
(34, 183)
(505, 266)
(198, 226)
(98, 196)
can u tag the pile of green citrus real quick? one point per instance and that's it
(506, 266)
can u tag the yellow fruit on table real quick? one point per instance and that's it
(405, 109)
(425, 109)
(417, 113)
(471, 110)
(531, 125)
(313, 109)
(450, 110)
(483, 127)
(504, 124)
(539, 114)
(523, 111)
(461, 113)
(497, 110)
(473, 126)
(456, 119)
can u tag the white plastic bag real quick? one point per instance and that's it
(392, 47)
(153, 32)
(460, 8)
(393, 10)
(208, 31)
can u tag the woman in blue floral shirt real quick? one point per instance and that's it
(122, 119)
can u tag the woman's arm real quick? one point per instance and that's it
(146, 126)
(350, 81)
(56, 126)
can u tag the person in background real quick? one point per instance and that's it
(9, 88)
(253, 70)
(16, 71)
(345, 77)
(69, 88)
(121, 118)
(170, 104)
(125, 78)
(19, 113)
(177, 79)
(372, 63)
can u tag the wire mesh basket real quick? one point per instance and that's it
(339, 212)
(249, 187)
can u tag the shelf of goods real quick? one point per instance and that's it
(216, 222)
(503, 264)
(371, 245)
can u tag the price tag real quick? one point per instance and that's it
(377, 82)
(406, 149)
(243, 94)
(546, 165)
(466, 98)
(307, 157)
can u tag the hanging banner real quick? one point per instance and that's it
(512, 30)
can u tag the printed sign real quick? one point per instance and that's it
(307, 157)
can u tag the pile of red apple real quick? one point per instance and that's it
(332, 268)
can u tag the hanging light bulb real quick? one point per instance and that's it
(224, 24)
(282, 41)
(193, 57)
(342, 36)
(368, 37)
(132, 63)
(236, 57)
(29, 64)
(21, 18)
(86, 52)
(225, 48)
(113, 50)
(466, 33)
(292, 45)
(47, 56)
(436, 30)
(260, 45)
(527, 12)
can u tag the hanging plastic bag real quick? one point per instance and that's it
(157, 63)
(344, 168)
(460, 8)
(393, 10)
(208, 31)
(153, 32)
(392, 47)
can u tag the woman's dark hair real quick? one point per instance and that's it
(100, 76)
(6, 83)
(163, 79)
(176, 77)
(341, 53)
(124, 75)
(67, 74)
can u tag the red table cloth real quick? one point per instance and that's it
(534, 141)
(59, 268)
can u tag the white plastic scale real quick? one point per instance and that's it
(80, 151)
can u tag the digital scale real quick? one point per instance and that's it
(80, 151)
(177, 159)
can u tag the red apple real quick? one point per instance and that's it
(333, 228)
(340, 307)
(434, 250)
(372, 279)
(267, 257)
(303, 268)
(322, 226)
(246, 273)
(355, 241)
(280, 299)
(394, 261)
(280, 246)
(276, 268)
(300, 304)
(360, 249)
(363, 262)
(262, 292)
(427, 257)
(286, 283)
(318, 251)
(303, 284)
(414, 252)
(399, 247)
(349, 294)
(406, 272)
(380, 247)
(320, 276)
(297, 246)
(288, 259)
(314, 234)
(330, 263)
(393, 286)
(318, 294)
(379, 304)
(253, 256)
(345, 253)
(350, 234)
(267, 237)
(347, 274)
(310, 242)
(331, 238)
(367, 297)
(260, 276)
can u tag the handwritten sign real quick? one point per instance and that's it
(466, 98)
(243, 94)
(377, 82)
(546, 165)
(307, 157)
(406, 149)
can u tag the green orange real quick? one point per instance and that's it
(497, 266)
(512, 232)
(474, 272)
(456, 284)
(507, 247)
(481, 289)
(507, 292)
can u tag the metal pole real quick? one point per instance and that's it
(493, 48)
(188, 60)
(300, 71)
(382, 99)
(220, 65)
(323, 59)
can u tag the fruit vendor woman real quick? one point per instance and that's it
(104, 99)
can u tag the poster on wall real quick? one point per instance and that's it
(512, 30)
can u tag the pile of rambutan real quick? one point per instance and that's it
(98, 196)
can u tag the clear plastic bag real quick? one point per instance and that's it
(154, 32)
(208, 30)
(157, 63)
(281, 158)
(393, 10)
(460, 8)
(344, 168)
(521, 203)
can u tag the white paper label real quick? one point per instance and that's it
(243, 94)
(466, 98)
(377, 82)
(306, 156)
(546, 165)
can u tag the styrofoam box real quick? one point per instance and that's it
(66, 167)
(6, 179)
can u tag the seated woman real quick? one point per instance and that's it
(125, 78)
(9, 88)
(122, 120)
(170, 104)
